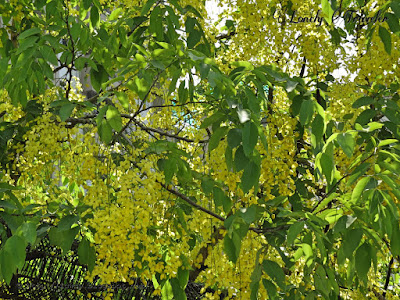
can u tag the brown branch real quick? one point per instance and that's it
(163, 133)
(194, 204)
(62, 66)
(70, 68)
(199, 207)
(387, 280)
(115, 138)
(333, 188)
(225, 35)
(75, 121)
(204, 253)
(303, 67)
(171, 105)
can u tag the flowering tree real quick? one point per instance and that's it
(231, 153)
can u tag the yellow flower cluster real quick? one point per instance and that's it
(267, 33)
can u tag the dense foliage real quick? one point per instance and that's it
(230, 153)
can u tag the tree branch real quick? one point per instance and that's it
(225, 35)
(194, 204)
(303, 67)
(204, 253)
(333, 188)
(163, 133)
(199, 207)
(387, 280)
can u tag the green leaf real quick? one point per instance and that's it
(308, 252)
(321, 281)
(318, 127)
(123, 99)
(215, 118)
(290, 85)
(193, 38)
(115, 14)
(395, 240)
(271, 289)
(216, 137)
(219, 195)
(97, 78)
(170, 168)
(161, 146)
(207, 185)
(48, 54)
(358, 172)
(46, 70)
(306, 112)
(7, 204)
(140, 86)
(8, 267)
(234, 137)
(333, 281)
(372, 126)
(294, 231)
(250, 176)
(94, 17)
(105, 131)
(250, 137)
(156, 22)
(86, 254)
(75, 31)
(327, 166)
(166, 291)
(27, 43)
(386, 39)
(359, 189)
(327, 10)
(363, 260)
(232, 246)
(182, 93)
(63, 239)
(363, 101)
(183, 277)
(255, 278)
(29, 32)
(387, 142)
(395, 7)
(347, 143)
(25, 58)
(351, 241)
(248, 66)
(393, 23)
(147, 7)
(177, 290)
(343, 223)
(15, 248)
(114, 118)
(67, 222)
(240, 160)
(66, 110)
(226, 204)
(275, 272)
(249, 214)
(27, 231)
(366, 116)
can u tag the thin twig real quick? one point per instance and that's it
(192, 203)
(333, 188)
(163, 133)
(387, 280)
(70, 68)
